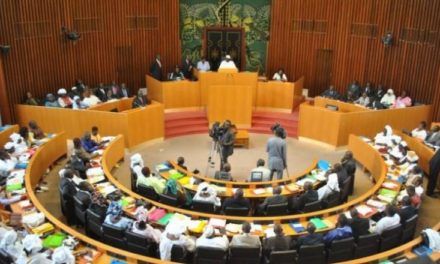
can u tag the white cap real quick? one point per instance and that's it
(9, 145)
(228, 56)
(74, 88)
(63, 255)
(390, 91)
(61, 91)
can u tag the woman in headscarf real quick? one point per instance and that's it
(402, 101)
(207, 193)
(63, 99)
(136, 163)
(174, 189)
(384, 137)
(51, 101)
(144, 229)
(388, 99)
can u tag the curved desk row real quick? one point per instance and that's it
(6, 132)
(364, 153)
(43, 158)
(137, 125)
(318, 123)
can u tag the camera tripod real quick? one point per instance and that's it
(216, 149)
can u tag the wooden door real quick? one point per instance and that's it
(323, 71)
(124, 67)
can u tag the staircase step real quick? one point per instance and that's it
(185, 131)
(186, 122)
(276, 116)
(269, 123)
(185, 115)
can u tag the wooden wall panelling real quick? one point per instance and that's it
(118, 42)
(353, 32)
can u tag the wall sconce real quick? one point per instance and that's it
(388, 39)
(71, 35)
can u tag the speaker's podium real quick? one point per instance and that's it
(229, 95)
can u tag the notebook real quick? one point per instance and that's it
(422, 251)
(156, 214)
(297, 227)
(319, 224)
(165, 219)
(216, 222)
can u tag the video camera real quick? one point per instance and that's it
(217, 131)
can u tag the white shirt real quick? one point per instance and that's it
(227, 65)
(278, 77)
(420, 134)
(166, 245)
(62, 103)
(203, 66)
(212, 194)
(264, 170)
(148, 232)
(331, 186)
(214, 242)
(6, 166)
(386, 223)
(90, 101)
(388, 99)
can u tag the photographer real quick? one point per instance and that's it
(227, 142)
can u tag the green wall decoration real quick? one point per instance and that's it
(252, 15)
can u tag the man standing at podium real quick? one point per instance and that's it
(156, 68)
(277, 151)
(227, 63)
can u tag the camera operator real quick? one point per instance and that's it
(227, 142)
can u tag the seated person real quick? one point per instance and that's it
(342, 230)
(187, 67)
(174, 189)
(101, 93)
(88, 144)
(311, 238)
(84, 193)
(7, 164)
(208, 239)
(99, 204)
(27, 138)
(245, 239)
(308, 196)
(280, 75)
(388, 99)
(380, 92)
(203, 65)
(5, 201)
(37, 132)
(402, 101)
(277, 198)
(115, 206)
(146, 179)
(177, 74)
(174, 235)
(359, 226)
(420, 132)
(331, 93)
(124, 91)
(349, 97)
(95, 136)
(415, 178)
(260, 169)
(227, 63)
(207, 193)
(332, 185)
(118, 221)
(384, 137)
(80, 152)
(31, 100)
(415, 199)
(390, 220)
(89, 99)
(368, 89)
(77, 103)
(181, 163)
(406, 211)
(238, 201)
(279, 242)
(141, 212)
(63, 99)
(224, 174)
(433, 135)
(355, 89)
(364, 100)
(376, 104)
(140, 100)
(144, 229)
(51, 101)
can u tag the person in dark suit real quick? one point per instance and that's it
(355, 89)
(310, 239)
(308, 196)
(359, 226)
(276, 198)
(279, 242)
(101, 93)
(331, 93)
(187, 67)
(124, 91)
(380, 92)
(227, 142)
(68, 190)
(84, 193)
(156, 68)
(140, 100)
(434, 170)
(238, 201)
(433, 135)
(349, 165)
(407, 210)
(342, 174)
(368, 89)
(376, 104)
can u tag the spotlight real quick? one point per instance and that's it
(5, 49)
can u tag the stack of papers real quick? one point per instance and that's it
(233, 228)
(259, 191)
(162, 168)
(364, 210)
(376, 204)
(269, 232)
(309, 178)
(256, 228)
(96, 179)
(217, 223)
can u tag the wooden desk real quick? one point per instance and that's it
(137, 125)
(120, 105)
(4, 135)
(175, 94)
(278, 96)
(242, 139)
(334, 127)
(43, 158)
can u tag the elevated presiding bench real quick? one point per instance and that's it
(137, 125)
(316, 122)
